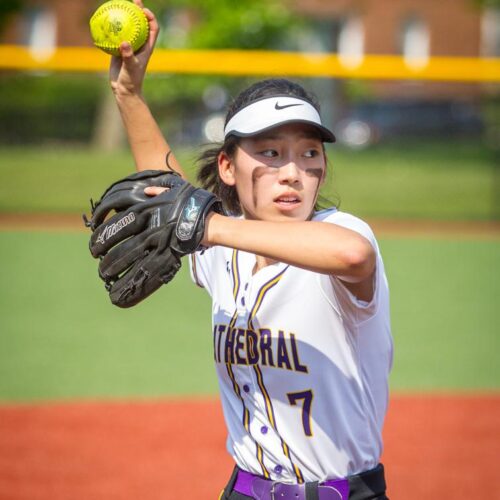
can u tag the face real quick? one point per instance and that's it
(277, 174)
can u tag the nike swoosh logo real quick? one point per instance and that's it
(278, 107)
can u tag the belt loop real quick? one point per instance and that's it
(312, 491)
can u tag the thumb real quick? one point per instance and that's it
(126, 50)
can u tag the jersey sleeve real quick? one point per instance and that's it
(200, 266)
(355, 309)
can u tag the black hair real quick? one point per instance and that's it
(208, 173)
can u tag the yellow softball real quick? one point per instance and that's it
(118, 21)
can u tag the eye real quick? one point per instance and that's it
(269, 153)
(311, 153)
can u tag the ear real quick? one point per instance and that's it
(226, 169)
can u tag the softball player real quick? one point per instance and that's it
(301, 332)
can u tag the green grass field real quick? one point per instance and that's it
(449, 181)
(61, 338)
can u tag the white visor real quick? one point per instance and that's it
(271, 112)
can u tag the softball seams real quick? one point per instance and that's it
(136, 24)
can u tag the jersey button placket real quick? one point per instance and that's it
(243, 301)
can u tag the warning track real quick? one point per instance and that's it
(382, 227)
(437, 446)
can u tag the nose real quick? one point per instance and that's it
(289, 173)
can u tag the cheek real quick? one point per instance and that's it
(259, 177)
(316, 173)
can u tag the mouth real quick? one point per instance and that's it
(287, 201)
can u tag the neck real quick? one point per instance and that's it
(261, 262)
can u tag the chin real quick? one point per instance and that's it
(277, 215)
(289, 216)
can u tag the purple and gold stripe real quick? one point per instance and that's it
(260, 380)
(236, 388)
(246, 414)
(246, 422)
(262, 293)
(236, 274)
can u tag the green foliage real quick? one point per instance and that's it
(8, 7)
(213, 24)
(487, 3)
(250, 24)
(37, 108)
(491, 116)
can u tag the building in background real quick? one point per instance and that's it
(414, 29)
(45, 24)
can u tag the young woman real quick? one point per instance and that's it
(301, 331)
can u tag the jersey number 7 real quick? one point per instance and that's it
(307, 397)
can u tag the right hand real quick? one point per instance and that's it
(126, 73)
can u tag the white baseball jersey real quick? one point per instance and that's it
(302, 364)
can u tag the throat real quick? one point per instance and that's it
(261, 262)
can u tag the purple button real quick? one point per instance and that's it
(278, 469)
(246, 388)
(263, 429)
(243, 301)
(246, 286)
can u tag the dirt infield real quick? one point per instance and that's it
(436, 447)
(382, 227)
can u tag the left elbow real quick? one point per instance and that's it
(360, 259)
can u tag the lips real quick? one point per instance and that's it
(287, 200)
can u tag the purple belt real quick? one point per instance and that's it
(264, 489)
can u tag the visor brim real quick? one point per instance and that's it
(325, 134)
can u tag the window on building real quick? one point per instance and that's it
(39, 31)
(490, 32)
(315, 36)
(351, 41)
(415, 42)
(176, 23)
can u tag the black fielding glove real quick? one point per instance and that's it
(140, 246)
(128, 191)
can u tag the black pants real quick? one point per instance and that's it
(368, 485)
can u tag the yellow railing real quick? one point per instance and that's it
(249, 62)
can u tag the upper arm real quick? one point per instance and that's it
(360, 277)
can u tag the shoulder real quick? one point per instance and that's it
(347, 220)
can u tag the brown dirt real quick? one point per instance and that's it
(436, 447)
(382, 227)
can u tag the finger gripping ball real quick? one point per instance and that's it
(118, 21)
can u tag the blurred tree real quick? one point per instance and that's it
(216, 24)
(224, 23)
(488, 3)
(8, 7)
(181, 102)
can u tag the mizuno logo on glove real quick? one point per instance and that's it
(112, 229)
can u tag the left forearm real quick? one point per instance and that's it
(146, 140)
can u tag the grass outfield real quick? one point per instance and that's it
(61, 338)
(450, 181)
